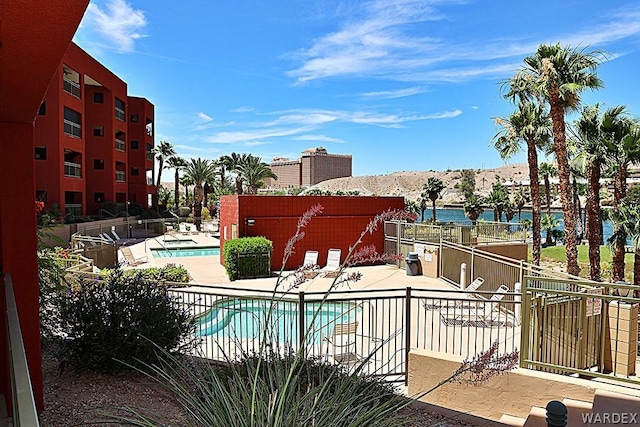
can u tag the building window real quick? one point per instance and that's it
(41, 153)
(43, 109)
(120, 109)
(135, 171)
(41, 195)
(71, 81)
(134, 118)
(121, 145)
(72, 123)
(98, 197)
(98, 164)
(98, 131)
(98, 97)
(134, 145)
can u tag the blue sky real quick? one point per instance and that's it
(402, 85)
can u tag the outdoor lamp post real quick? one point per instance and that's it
(126, 206)
(623, 292)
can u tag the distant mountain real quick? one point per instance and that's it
(409, 184)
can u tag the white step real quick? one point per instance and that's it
(510, 420)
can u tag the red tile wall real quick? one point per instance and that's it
(339, 225)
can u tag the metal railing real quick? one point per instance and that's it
(384, 324)
(119, 113)
(73, 170)
(573, 327)
(74, 209)
(71, 87)
(24, 405)
(121, 176)
(72, 129)
(120, 145)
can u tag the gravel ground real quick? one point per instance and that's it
(73, 399)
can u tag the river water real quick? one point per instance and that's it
(456, 215)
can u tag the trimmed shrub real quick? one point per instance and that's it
(184, 211)
(168, 273)
(120, 320)
(149, 214)
(248, 257)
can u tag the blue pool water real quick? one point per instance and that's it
(184, 252)
(178, 242)
(245, 318)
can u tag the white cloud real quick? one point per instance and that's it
(202, 116)
(322, 138)
(118, 24)
(242, 110)
(255, 135)
(400, 93)
(379, 40)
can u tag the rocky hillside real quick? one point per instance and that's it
(409, 184)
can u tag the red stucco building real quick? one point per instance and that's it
(339, 225)
(35, 35)
(92, 141)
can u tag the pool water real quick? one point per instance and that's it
(185, 252)
(178, 242)
(245, 318)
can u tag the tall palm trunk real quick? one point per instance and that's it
(176, 190)
(617, 249)
(568, 208)
(593, 220)
(433, 210)
(578, 205)
(547, 192)
(534, 188)
(636, 270)
(198, 195)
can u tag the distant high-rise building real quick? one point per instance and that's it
(314, 166)
(93, 142)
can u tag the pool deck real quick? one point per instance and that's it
(207, 270)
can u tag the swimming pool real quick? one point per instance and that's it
(184, 252)
(178, 242)
(245, 318)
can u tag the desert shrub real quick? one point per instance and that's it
(184, 211)
(110, 207)
(136, 209)
(168, 273)
(248, 257)
(116, 320)
(206, 215)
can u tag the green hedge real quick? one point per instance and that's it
(248, 257)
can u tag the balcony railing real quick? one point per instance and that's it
(71, 87)
(73, 169)
(72, 129)
(120, 145)
(120, 114)
(121, 176)
(149, 181)
(150, 156)
(74, 209)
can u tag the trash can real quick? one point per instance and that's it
(413, 263)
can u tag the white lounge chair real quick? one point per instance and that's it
(310, 258)
(483, 313)
(130, 259)
(183, 228)
(469, 294)
(107, 237)
(333, 263)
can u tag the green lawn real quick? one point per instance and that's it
(558, 253)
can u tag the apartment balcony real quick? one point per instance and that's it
(72, 129)
(120, 145)
(72, 88)
(150, 181)
(121, 176)
(74, 209)
(150, 156)
(119, 112)
(72, 170)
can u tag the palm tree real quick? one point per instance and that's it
(224, 165)
(254, 170)
(559, 75)
(591, 137)
(162, 153)
(186, 181)
(549, 224)
(530, 124)
(548, 171)
(473, 208)
(236, 160)
(520, 199)
(177, 163)
(432, 190)
(625, 135)
(497, 200)
(200, 171)
(423, 207)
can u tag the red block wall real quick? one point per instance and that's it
(339, 225)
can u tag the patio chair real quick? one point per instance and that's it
(332, 269)
(341, 345)
(481, 314)
(116, 235)
(105, 236)
(469, 294)
(183, 228)
(130, 259)
(309, 264)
